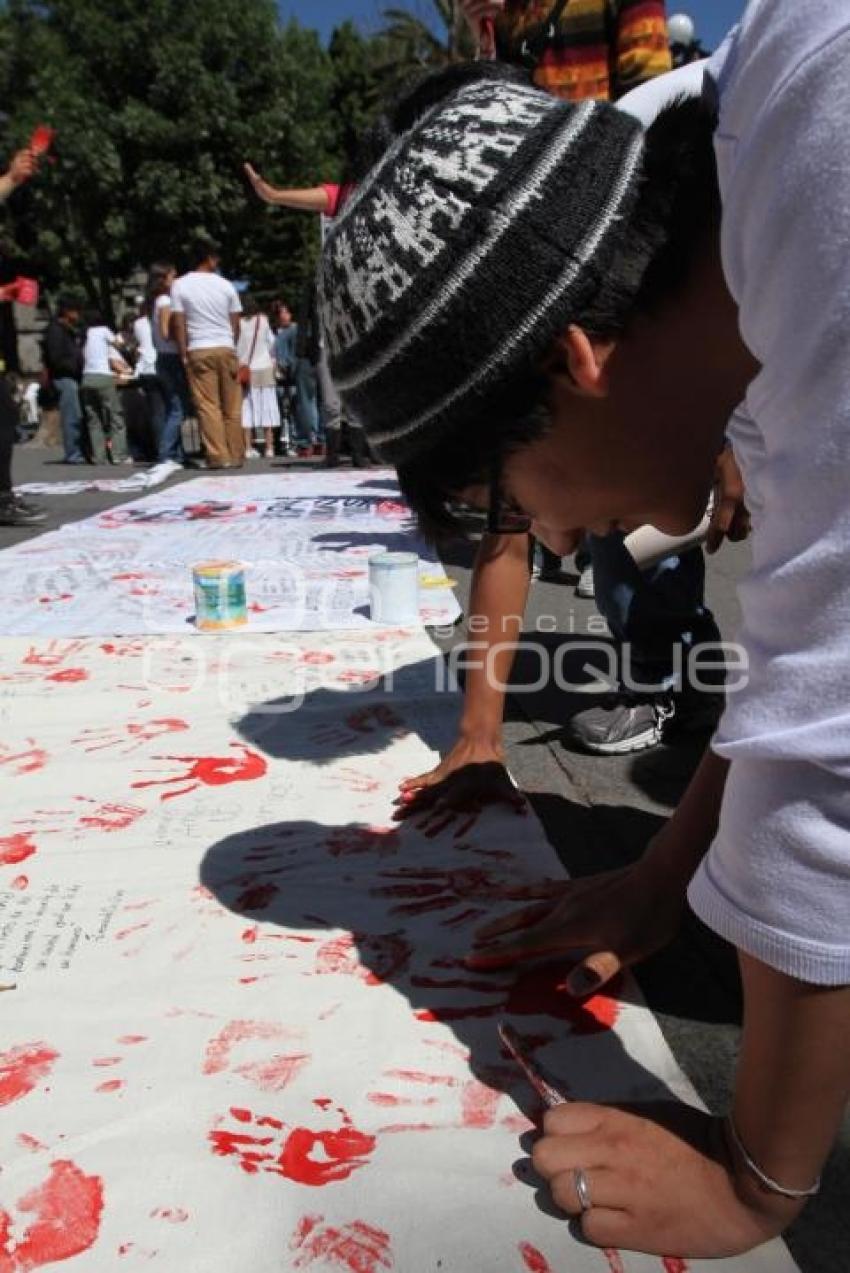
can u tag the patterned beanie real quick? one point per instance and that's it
(468, 247)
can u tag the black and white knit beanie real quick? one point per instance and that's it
(465, 250)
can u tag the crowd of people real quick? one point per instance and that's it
(194, 347)
(577, 293)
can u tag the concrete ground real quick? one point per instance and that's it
(598, 813)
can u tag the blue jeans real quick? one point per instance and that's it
(175, 388)
(659, 614)
(306, 405)
(71, 418)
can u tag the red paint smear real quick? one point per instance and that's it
(250, 935)
(220, 1047)
(69, 675)
(175, 1215)
(66, 1212)
(257, 897)
(26, 762)
(540, 992)
(30, 1143)
(134, 928)
(276, 1073)
(318, 657)
(323, 1102)
(113, 1085)
(357, 1247)
(22, 1068)
(418, 1076)
(615, 1260)
(102, 1061)
(16, 848)
(533, 1259)
(382, 956)
(408, 1127)
(479, 1104)
(674, 1264)
(388, 1101)
(348, 841)
(112, 817)
(20, 882)
(132, 1038)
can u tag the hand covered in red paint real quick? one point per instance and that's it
(471, 775)
(605, 922)
(660, 1181)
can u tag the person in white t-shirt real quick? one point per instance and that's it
(255, 350)
(205, 316)
(556, 320)
(104, 413)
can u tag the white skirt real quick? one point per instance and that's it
(260, 409)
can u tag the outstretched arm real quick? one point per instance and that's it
(311, 199)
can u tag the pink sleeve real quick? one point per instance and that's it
(337, 196)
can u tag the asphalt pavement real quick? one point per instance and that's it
(598, 813)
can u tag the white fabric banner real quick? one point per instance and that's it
(141, 480)
(238, 1030)
(304, 538)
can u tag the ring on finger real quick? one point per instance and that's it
(582, 1189)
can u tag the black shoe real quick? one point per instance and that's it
(622, 723)
(360, 458)
(332, 440)
(16, 511)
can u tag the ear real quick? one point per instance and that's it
(583, 358)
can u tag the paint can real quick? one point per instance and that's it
(394, 588)
(219, 595)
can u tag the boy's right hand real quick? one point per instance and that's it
(478, 11)
(471, 775)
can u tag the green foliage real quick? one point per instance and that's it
(157, 104)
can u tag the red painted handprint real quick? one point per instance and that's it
(29, 760)
(356, 1247)
(56, 1221)
(210, 771)
(269, 1146)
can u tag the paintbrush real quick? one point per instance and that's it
(548, 1093)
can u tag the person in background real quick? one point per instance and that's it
(255, 350)
(169, 364)
(327, 199)
(63, 362)
(14, 511)
(146, 374)
(286, 363)
(307, 353)
(102, 365)
(205, 317)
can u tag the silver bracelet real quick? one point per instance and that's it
(762, 1176)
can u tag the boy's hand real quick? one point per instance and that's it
(603, 922)
(471, 775)
(659, 1181)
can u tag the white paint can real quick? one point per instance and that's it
(394, 588)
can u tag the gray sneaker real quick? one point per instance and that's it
(17, 511)
(584, 587)
(620, 724)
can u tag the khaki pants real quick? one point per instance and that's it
(218, 398)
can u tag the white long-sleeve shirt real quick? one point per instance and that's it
(776, 881)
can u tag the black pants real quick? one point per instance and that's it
(8, 433)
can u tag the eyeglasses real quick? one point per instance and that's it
(504, 518)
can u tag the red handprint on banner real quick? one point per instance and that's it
(265, 1144)
(209, 771)
(56, 1221)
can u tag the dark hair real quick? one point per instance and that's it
(157, 277)
(677, 205)
(66, 303)
(202, 248)
(250, 306)
(94, 318)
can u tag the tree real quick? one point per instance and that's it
(155, 107)
(415, 45)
